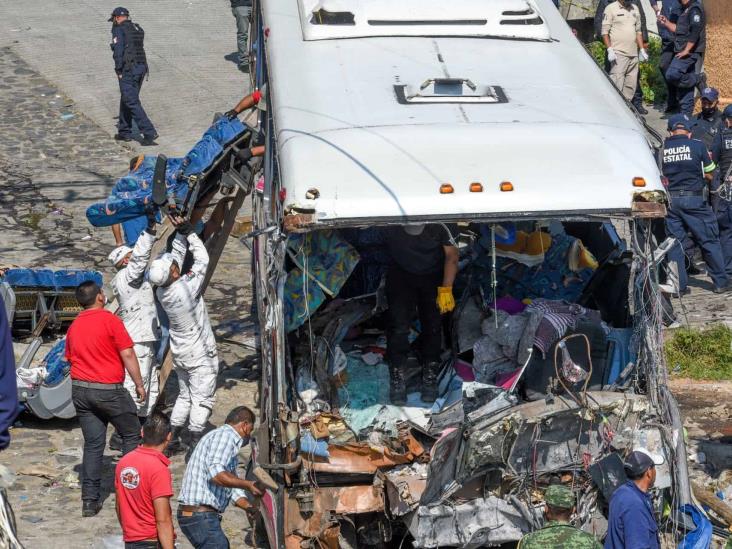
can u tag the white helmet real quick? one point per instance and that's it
(118, 254)
(159, 270)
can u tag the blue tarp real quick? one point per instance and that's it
(56, 366)
(701, 536)
(133, 191)
(46, 278)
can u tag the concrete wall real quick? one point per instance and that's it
(718, 60)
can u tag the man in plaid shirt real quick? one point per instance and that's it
(210, 481)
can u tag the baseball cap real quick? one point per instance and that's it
(678, 122)
(727, 112)
(710, 94)
(159, 270)
(118, 254)
(119, 11)
(638, 462)
(559, 496)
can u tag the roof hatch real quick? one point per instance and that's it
(333, 19)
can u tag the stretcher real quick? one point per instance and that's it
(214, 162)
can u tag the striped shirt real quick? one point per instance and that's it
(217, 451)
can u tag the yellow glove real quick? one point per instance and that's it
(445, 300)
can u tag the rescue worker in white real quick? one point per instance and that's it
(192, 342)
(137, 310)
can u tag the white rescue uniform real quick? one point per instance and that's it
(137, 310)
(192, 342)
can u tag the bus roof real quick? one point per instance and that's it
(370, 126)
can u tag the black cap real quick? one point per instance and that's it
(679, 122)
(119, 11)
(638, 463)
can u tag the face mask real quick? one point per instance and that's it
(709, 111)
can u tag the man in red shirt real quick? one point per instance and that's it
(144, 486)
(99, 350)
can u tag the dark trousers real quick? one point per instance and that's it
(408, 294)
(203, 530)
(682, 74)
(96, 408)
(145, 544)
(664, 62)
(693, 214)
(724, 220)
(130, 107)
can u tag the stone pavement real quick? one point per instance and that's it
(188, 43)
(54, 161)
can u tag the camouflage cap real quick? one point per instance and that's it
(558, 495)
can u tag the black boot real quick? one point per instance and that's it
(176, 445)
(195, 437)
(90, 507)
(429, 381)
(397, 386)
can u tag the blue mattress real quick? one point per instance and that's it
(64, 279)
(132, 192)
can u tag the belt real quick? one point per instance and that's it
(680, 194)
(90, 385)
(188, 510)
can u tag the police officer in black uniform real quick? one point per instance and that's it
(690, 40)
(130, 64)
(708, 123)
(722, 197)
(686, 165)
(669, 10)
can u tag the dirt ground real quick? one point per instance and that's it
(719, 40)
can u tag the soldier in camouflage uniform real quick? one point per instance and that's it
(557, 533)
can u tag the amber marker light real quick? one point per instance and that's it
(639, 182)
(476, 188)
(446, 188)
(506, 186)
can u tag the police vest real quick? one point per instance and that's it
(725, 157)
(682, 163)
(134, 44)
(683, 28)
(706, 130)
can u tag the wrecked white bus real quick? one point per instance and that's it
(490, 116)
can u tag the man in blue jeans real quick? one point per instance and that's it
(242, 11)
(210, 481)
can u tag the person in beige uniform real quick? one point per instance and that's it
(621, 32)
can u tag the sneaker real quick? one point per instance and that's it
(148, 141)
(115, 442)
(120, 137)
(397, 386)
(429, 381)
(90, 507)
(723, 289)
(641, 109)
